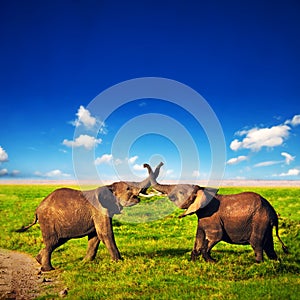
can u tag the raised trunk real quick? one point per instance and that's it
(146, 183)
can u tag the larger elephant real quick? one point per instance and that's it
(67, 213)
(245, 218)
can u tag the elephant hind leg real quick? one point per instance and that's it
(93, 244)
(44, 256)
(269, 245)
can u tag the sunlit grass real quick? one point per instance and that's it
(156, 250)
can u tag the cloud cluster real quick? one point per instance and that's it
(255, 139)
(88, 122)
(3, 159)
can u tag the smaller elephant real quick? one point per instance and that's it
(67, 213)
(245, 218)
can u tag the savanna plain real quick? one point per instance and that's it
(156, 251)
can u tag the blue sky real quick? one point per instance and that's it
(57, 56)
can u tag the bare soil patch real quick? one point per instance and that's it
(20, 276)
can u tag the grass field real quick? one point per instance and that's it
(156, 254)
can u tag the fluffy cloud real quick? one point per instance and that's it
(133, 159)
(104, 159)
(290, 172)
(295, 121)
(138, 167)
(3, 172)
(288, 158)
(257, 138)
(3, 155)
(236, 160)
(83, 140)
(84, 118)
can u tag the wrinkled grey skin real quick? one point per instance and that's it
(66, 214)
(245, 218)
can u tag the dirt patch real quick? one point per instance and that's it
(21, 278)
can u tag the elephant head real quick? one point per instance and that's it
(186, 196)
(112, 198)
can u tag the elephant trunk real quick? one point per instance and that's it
(146, 183)
(163, 188)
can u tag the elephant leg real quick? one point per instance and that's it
(210, 245)
(103, 225)
(269, 245)
(201, 246)
(257, 246)
(93, 244)
(257, 239)
(44, 256)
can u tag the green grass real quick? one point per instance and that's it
(156, 253)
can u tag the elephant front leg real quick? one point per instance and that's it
(103, 225)
(93, 244)
(201, 246)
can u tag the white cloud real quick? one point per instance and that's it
(267, 163)
(295, 121)
(52, 174)
(236, 160)
(3, 155)
(133, 159)
(117, 161)
(104, 159)
(56, 173)
(138, 167)
(257, 138)
(288, 158)
(83, 140)
(290, 172)
(84, 118)
(3, 172)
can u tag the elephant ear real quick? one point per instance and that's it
(203, 198)
(109, 204)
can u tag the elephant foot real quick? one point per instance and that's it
(194, 255)
(47, 268)
(208, 258)
(88, 258)
(116, 259)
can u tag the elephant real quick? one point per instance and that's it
(244, 218)
(67, 213)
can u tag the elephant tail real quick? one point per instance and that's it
(25, 228)
(284, 247)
